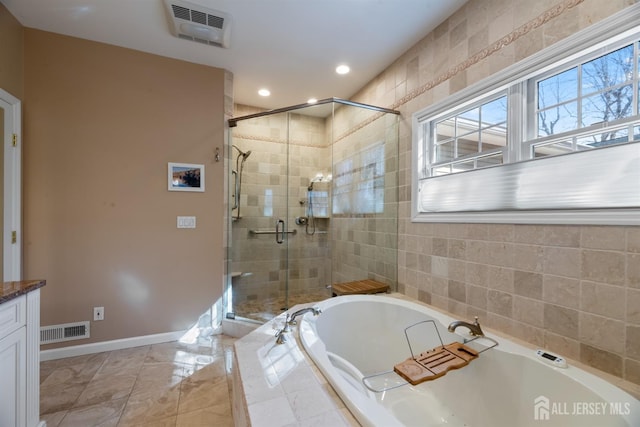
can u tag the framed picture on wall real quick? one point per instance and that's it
(186, 177)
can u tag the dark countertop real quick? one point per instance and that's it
(11, 290)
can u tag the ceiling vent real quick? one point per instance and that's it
(194, 22)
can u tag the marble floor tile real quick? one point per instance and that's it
(106, 388)
(87, 360)
(218, 415)
(59, 397)
(102, 414)
(161, 385)
(128, 360)
(148, 407)
(46, 368)
(202, 392)
(165, 422)
(75, 374)
(157, 378)
(53, 419)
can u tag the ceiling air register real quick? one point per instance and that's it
(197, 23)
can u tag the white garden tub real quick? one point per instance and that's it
(508, 385)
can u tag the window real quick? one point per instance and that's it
(558, 145)
(590, 104)
(471, 139)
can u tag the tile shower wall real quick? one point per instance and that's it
(364, 241)
(572, 289)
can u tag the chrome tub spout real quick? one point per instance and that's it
(292, 321)
(474, 328)
(281, 338)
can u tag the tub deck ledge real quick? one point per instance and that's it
(279, 385)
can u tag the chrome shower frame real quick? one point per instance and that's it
(235, 191)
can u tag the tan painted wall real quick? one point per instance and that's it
(572, 289)
(11, 53)
(101, 123)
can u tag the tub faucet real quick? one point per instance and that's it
(281, 338)
(474, 328)
(292, 320)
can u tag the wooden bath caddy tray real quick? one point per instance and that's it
(434, 363)
(368, 286)
(428, 365)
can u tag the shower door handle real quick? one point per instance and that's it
(236, 193)
(279, 232)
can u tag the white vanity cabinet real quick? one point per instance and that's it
(20, 360)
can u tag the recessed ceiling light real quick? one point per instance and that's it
(342, 69)
(264, 92)
(312, 101)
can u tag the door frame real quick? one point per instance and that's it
(12, 214)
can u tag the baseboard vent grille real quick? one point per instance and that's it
(64, 332)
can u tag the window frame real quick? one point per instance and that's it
(592, 42)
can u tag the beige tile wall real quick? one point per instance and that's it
(572, 289)
(365, 246)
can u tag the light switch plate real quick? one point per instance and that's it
(186, 222)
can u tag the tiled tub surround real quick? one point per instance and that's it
(499, 388)
(279, 385)
(572, 289)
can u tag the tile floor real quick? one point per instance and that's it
(169, 384)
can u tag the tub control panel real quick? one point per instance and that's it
(551, 359)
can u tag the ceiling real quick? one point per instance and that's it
(291, 47)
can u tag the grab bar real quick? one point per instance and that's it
(272, 231)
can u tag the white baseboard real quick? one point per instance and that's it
(99, 347)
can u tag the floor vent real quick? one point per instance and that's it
(64, 332)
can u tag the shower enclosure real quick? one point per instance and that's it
(313, 195)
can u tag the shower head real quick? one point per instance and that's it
(242, 153)
(318, 178)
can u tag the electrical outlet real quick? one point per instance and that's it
(98, 313)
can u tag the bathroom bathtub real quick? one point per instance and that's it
(360, 336)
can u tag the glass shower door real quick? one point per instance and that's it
(259, 230)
